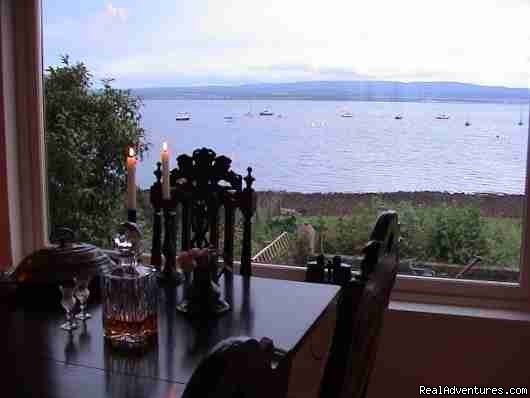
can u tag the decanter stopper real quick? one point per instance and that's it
(128, 243)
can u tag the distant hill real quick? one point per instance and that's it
(369, 90)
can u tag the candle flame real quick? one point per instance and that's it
(131, 152)
(164, 146)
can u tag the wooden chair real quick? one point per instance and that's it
(245, 368)
(360, 312)
(202, 185)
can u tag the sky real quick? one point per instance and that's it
(199, 42)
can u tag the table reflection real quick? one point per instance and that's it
(139, 362)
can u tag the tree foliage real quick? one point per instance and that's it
(457, 234)
(88, 132)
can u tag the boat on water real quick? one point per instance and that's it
(467, 124)
(442, 116)
(266, 112)
(249, 113)
(181, 116)
(346, 114)
(520, 116)
(228, 118)
(397, 102)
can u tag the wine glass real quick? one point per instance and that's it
(68, 303)
(81, 293)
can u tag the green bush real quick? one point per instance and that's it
(414, 228)
(503, 239)
(281, 224)
(456, 234)
(348, 234)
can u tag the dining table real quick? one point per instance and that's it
(39, 359)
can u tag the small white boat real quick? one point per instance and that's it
(266, 112)
(182, 116)
(228, 118)
(442, 116)
(399, 116)
(346, 114)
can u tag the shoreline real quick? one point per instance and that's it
(338, 99)
(269, 203)
(340, 204)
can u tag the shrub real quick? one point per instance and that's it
(503, 238)
(456, 234)
(414, 230)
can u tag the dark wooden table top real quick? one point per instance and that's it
(40, 359)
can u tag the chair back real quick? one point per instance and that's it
(235, 368)
(201, 186)
(360, 312)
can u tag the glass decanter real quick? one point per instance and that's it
(130, 293)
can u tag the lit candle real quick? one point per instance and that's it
(131, 180)
(164, 156)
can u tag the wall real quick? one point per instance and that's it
(433, 349)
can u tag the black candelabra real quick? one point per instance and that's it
(131, 215)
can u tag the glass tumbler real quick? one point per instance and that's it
(130, 305)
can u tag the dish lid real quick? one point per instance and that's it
(62, 261)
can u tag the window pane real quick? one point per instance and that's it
(341, 110)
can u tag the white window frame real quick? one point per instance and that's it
(32, 184)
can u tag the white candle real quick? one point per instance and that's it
(131, 180)
(164, 156)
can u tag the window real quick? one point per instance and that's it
(379, 118)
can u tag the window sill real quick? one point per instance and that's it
(487, 307)
(459, 311)
(419, 302)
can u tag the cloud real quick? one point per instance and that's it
(116, 12)
(242, 41)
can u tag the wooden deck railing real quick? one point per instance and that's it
(278, 247)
